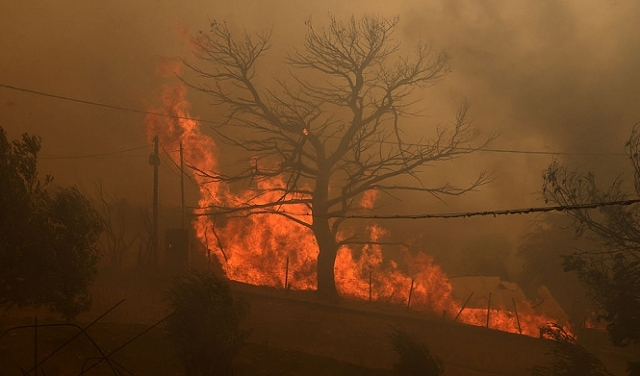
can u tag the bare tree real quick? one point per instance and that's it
(335, 130)
(121, 231)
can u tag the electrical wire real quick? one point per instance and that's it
(50, 156)
(113, 107)
(494, 213)
(178, 171)
(379, 217)
(98, 104)
(468, 214)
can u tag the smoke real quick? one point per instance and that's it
(546, 75)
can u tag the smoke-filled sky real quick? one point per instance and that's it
(546, 75)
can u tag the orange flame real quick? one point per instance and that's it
(269, 249)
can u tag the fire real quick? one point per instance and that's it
(272, 250)
(369, 198)
(268, 249)
(526, 321)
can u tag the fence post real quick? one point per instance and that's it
(488, 310)
(35, 346)
(515, 308)
(370, 294)
(286, 277)
(410, 293)
(463, 306)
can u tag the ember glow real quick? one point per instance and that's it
(272, 250)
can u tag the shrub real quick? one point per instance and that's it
(415, 358)
(570, 359)
(205, 325)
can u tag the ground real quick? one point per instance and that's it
(293, 333)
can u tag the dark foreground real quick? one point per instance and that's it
(292, 334)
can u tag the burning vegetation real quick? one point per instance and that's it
(269, 234)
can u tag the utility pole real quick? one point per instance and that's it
(154, 160)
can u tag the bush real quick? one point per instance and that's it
(48, 235)
(415, 358)
(570, 359)
(205, 325)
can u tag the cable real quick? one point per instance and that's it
(499, 212)
(110, 106)
(493, 213)
(489, 150)
(49, 156)
(179, 171)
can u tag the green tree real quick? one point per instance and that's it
(336, 131)
(205, 325)
(48, 235)
(612, 270)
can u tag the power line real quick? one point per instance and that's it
(538, 152)
(98, 104)
(468, 214)
(495, 213)
(177, 167)
(92, 103)
(49, 156)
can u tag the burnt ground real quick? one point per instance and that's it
(349, 331)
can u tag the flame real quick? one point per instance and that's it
(526, 321)
(273, 250)
(369, 198)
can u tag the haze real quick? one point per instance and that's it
(547, 76)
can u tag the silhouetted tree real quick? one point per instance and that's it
(541, 250)
(205, 325)
(612, 271)
(334, 133)
(48, 235)
(569, 358)
(122, 227)
(415, 358)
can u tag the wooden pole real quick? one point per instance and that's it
(370, 290)
(155, 161)
(515, 308)
(463, 306)
(35, 346)
(410, 293)
(488, 310)
(206, 243)
(286, 276)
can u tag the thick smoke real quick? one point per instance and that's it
(545, 75)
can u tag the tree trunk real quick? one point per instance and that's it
(326, 259)
(328, 248)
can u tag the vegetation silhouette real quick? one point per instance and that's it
(205, 324)
(48, 235)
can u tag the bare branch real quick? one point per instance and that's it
(334, 131)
